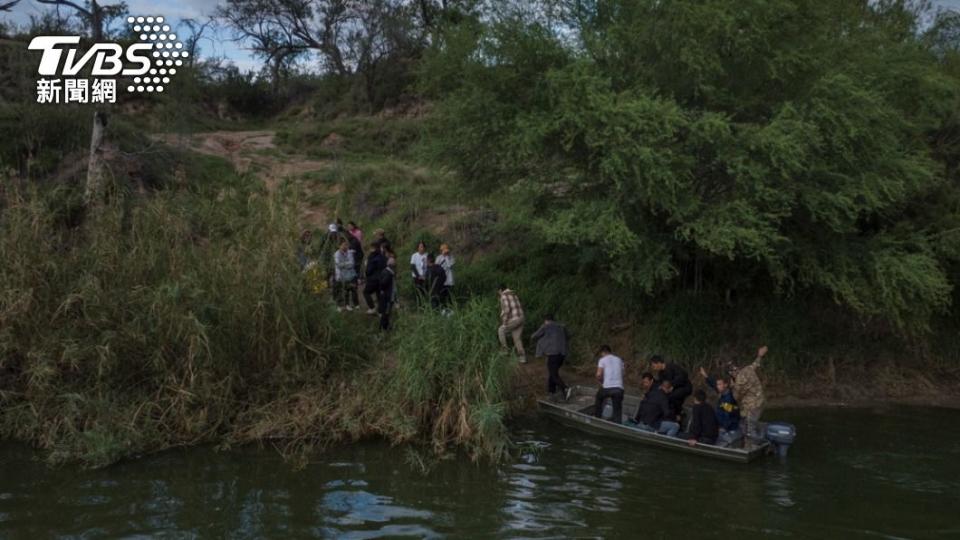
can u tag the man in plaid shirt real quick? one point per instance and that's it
(511, 320)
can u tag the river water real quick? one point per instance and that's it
(854, 473)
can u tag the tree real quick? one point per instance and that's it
(97, 17)
(767, 143)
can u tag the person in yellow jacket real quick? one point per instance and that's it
(748, 390)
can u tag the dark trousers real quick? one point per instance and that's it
(420, 291)
(384, 306)
(445, 296)
(371, 288)
(616, 395)
(677, 396)
(554, 382)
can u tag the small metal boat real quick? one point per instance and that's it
(578, 413)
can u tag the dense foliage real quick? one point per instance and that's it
(785, 146)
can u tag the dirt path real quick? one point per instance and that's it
(255, 151)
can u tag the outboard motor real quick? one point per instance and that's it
(781, 435)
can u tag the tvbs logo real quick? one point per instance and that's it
(147, 65)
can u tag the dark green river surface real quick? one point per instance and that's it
(854, 473)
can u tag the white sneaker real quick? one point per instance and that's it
(349, 308)
(371, 311)
(339, 309)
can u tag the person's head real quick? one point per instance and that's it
(351, 226)
(431, 259)
(732, 369)
(699, 396)
(502, 288)
(445, 249)
(391, 262)
(657, 363)
(646, 380)
(344, 245)
(723, 384)
(605, 350)
(339, 223)
(378, 233)
(306, 236)
(548, 317)
(421, 247)
(373, 247)
(666, 386)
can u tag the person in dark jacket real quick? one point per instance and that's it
(669, 371)
(552, 340)
(703, 422)
(376, 264)
(380, 240)
(357, 248)
(654, 412)
(728, 410)
(436, 279)
(385, 293)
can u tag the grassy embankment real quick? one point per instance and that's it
(175, 315)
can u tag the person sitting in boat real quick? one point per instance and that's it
(610, 377)
(654, 412)
(703, 422)
(728, 411)
(678, 377)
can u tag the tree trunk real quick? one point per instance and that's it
(93, 193)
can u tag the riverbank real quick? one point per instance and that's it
(873, 392)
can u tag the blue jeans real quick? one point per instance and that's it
(729, 438)
(667, 428)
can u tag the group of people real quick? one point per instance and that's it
(339, 258)
(666, 387)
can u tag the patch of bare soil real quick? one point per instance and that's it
(255, 151)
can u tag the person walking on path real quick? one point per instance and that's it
(552, 342)
(418, 270)
(345, 275)
(511, 321)
(446, 261)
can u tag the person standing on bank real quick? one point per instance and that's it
(418, 270)
(385, 293)
(355, 231)
(345, 274)
(436, 277)
(610, 377)
(511, 320)
(376, 263)
(552, 342)
(446, 261)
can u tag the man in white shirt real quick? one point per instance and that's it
(610, 377)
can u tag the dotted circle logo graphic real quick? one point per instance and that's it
(166, 57)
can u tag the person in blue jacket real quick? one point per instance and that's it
(728, 411)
